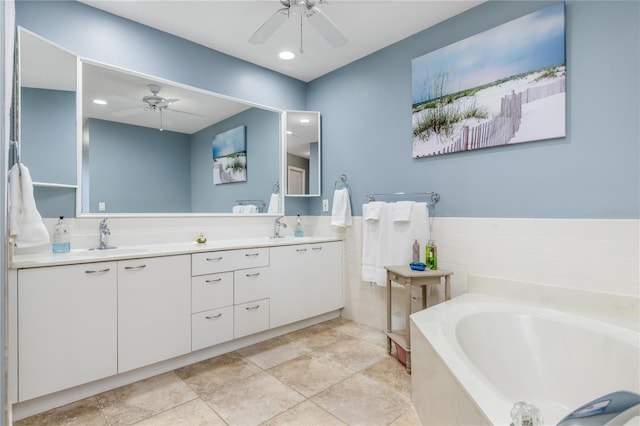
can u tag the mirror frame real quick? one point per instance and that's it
(285, 166)
(162, 81)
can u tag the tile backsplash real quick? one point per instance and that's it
(600, 255)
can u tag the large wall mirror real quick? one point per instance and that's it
(302, 153)
(154, 146)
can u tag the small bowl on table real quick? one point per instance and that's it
(418, 266)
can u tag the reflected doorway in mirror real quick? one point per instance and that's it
(230, 156)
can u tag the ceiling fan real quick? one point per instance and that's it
(152, 103)
(305, 9)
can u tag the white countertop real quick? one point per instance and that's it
(40, 259)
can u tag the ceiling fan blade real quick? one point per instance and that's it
(127, 111)
(270, 26)
(326, 28)
(183, 112)
(123, 100)
(166, 103)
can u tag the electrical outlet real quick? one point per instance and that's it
(102, 206)
(325, 205)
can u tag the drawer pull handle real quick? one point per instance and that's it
(217, 280)
(252, 308)
(214, 317)
(316, 248)
(214, 259)
(301, 250)
(252, 254)
(252, 275)
(131, 268)
(101, 271)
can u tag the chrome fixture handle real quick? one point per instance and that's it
(104, 233)
(132, 268)
(101, 271)
(276, 227)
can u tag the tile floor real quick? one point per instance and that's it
(334, 373)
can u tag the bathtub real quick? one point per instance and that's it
(476, 355)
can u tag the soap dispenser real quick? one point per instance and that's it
(61, 238)
(298, 231)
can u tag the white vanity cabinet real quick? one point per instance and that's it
(67, 326)
(306, 280)
(154, 310)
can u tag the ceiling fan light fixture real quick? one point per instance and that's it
(286, 55)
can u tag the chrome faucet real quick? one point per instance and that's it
(104, 232)
(276, 228)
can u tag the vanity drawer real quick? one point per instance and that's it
(209, 328)
(228, 260)
(211, 291)
(251, 317)
(251, 284)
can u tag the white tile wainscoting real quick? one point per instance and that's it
(593, 254)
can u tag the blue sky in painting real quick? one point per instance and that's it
(525, 44)
(229, 142)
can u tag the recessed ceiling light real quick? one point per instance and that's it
(304, 120)
(99, 102)
(286, 55)
(289, 132)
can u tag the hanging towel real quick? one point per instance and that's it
(386, 242)
(250, 209)
(25, 222)
(274, 204)
(402, 211)
(237, 209)
(374, 243)
(341, 211)
(372, 210)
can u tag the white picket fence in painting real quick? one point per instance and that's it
(501, 129)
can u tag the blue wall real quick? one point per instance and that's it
(139, 169)
(592, 173)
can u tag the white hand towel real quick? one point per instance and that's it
(250, 209)
(25, 222)
(372, 210)
(237, 209)
(274, 204)
(402, 211)
(341, 211)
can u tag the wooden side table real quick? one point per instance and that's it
(408, 278)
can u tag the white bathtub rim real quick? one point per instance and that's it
(480, 389)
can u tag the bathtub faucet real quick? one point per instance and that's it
(525, 414)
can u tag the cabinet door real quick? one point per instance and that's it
(209, 328)
(306, 280)
(211, 291)
(154, 310)
(251, 284)
(67, 325)
(250, 318)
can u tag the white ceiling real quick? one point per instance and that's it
(226, 26)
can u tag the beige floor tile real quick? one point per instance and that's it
(253, 400)
(311, 373)
(305, 414)
(360, 400)
(410, 418)
(207, 376)
(373, 336)
(392, 373)
(80, 413)
(192, 413)
(314, 337)
(139, 400)
(348, 327)
(354, 353)
(273, 352)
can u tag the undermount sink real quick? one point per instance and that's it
(112, 250)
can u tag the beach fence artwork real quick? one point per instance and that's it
(230, 156)
(503, 86)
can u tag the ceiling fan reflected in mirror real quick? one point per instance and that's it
(304, 9)
(151, 103)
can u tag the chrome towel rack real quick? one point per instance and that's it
(341, 183)
(434, 197)
(258, 203)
